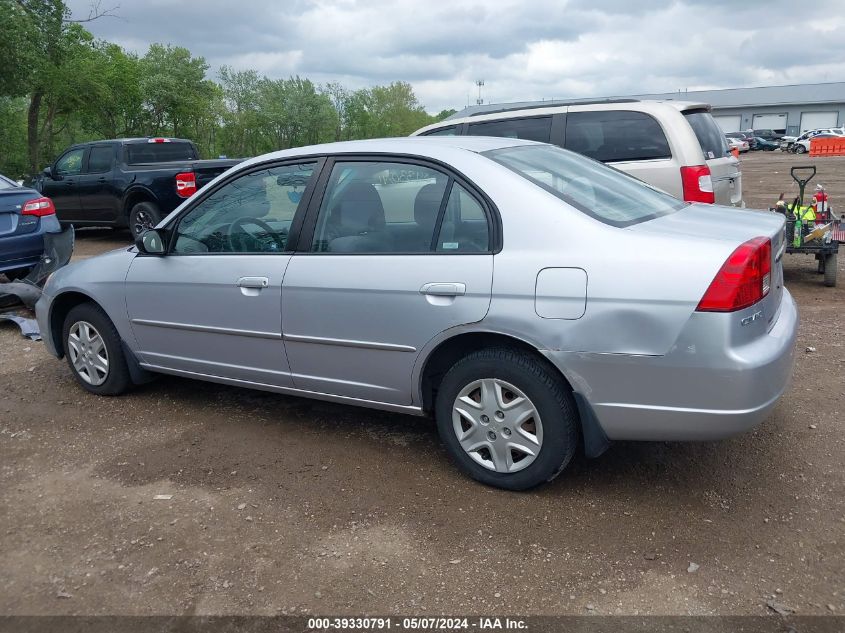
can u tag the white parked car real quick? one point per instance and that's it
(737, 143)
(676, 146)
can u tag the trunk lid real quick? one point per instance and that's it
(697, 222)
(11, 203)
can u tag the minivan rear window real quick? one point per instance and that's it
(600, 191)
(616, 136)
(708, 133)
(137, 153)
(530, 129)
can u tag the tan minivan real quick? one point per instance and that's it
(675, 146)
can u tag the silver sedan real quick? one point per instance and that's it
(530, 299)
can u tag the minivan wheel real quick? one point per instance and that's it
(93, 351)
(142, 217)
(506, 418)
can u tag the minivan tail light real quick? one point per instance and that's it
(743, 280)
(697, 184)
(186, 184)
(39, 207)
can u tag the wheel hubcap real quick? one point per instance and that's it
(497, 425)
(88, 353)
(143, 222)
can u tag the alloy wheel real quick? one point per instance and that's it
(497, 425)
(88, 353)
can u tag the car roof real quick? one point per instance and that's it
(427, 146)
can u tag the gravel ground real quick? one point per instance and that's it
(283, 505)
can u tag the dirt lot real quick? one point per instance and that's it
(285, 505)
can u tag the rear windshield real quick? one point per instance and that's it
(159, 152)
(709, 134)
(602, 192)
(7, 184)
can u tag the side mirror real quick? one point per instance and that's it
(151, 242)
(50, 173)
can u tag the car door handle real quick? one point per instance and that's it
(101, 180)
(253, 282)
(440, 289)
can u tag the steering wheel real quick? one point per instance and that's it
(233, 235)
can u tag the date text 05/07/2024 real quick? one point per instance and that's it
(416, 624)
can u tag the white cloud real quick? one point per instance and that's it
(523, 50)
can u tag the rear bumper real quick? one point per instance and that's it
(19, 251)
(703, 389)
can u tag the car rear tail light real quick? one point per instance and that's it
(39, 207)
(698, 186)
(186, 184)
(743, 280)
(159, 139)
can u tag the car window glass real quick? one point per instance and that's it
(709, 134)
(251, 214)
(444, 131)
(616, 136)
(70, 163)
(152, 152)
(605, 193)
(379, 207)
(464, 228)
(532, 129)
(100, 159)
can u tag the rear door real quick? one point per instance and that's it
(633, 142)
(98, 199)
(395, 252)
(724, 168)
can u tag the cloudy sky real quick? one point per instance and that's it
(523, 49)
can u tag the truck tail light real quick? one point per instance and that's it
(39, 207)
(743, 280)
(159, 139)
(697, 183)
(186, 184)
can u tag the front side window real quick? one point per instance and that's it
(71, 163)
(616, 135)
(251, 214)
(532, 129)
(602, 192)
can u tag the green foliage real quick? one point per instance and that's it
(61, 86)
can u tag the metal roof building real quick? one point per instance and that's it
(787, 109)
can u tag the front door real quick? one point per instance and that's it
(212, 306)
(63, 190)
(397, 253)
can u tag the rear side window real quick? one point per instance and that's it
(616, 136)
(533, 129)
(100, 159)
(443, 131)
(137, 153)
(708, 133)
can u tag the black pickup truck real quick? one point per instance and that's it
(130, 182)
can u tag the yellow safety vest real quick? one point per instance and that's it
(806, 214)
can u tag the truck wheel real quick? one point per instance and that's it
(830, 270)
(506, 419)
(143, 216)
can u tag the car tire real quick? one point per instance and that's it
(545, 418)
(830, 270)
(89, 338)
(800, 149)
(143, 216)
